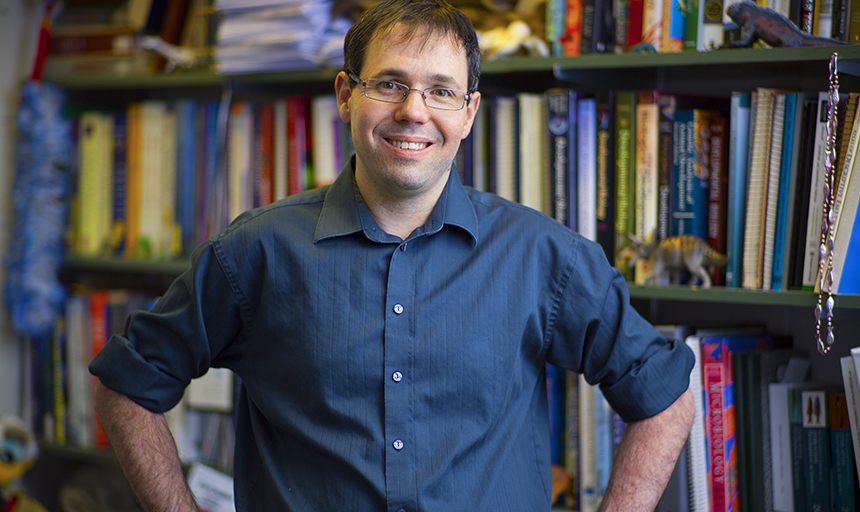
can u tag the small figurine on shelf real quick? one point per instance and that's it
(18, 452)
(770, 27)
(673, 256)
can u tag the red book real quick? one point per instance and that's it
(298, 143)
(634, 23)
(265, 159)
(98, 337)
(717, 381)
(718, 191)
(571, 41)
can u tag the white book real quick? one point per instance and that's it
(532, 125)
(587, 462)
(152, 123)
(697, 451)
(586, 132)
(505, 146)
(773, 178)
(816, 192)
(324, 119)
(759, 148)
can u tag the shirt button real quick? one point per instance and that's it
(401, 510)
(398, 444)
(403, 247)
(397, 376)
(398, 309)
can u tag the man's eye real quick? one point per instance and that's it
(442, 93)
(387, 86)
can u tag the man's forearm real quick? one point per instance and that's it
(646, 458)
(146, 452)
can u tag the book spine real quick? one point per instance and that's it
(646, 172)
(625, 145)
(841, 452)
(813, 235)
(799, 476)
(559, 128)
(816, 450)
(666, 104)
(739, 120)
(652, 23)
(99, 336)
(586, 167)
(606, 175)
(572, 39)
(718, 185)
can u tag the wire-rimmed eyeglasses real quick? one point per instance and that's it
(389, 91)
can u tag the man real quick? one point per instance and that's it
(391, 330)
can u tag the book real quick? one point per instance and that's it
(186, 171)
(586, 167)
(572, 436)
(325, 119)
(666, 106)
(646, 187)
(503, 159)
(95, 178)
(674, 23)
(556, 384)
(720, 426)
(784, 434)
(531, 141)
(772, 182)
(587, 465)
(571, 41)
(739, 120)
(718, 184)
(696, 447)
(652, 23)
(625, 145)
(816, 448)
(264, 154)
(841, 453)
(806, 161)
(813, 233)
(851, 386)
(561, 148)
(710, 25)
(761, 132)
(300, 144)
(847, 197)
(240, 153)
(788, 183)
(635, 11)
(605, 208)
(691, 163)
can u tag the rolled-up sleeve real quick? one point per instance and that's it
(599, 334)
(160, 351)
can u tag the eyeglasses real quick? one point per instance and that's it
(389, 91)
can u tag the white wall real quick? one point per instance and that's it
(19, 26)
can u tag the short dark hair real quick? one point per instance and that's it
(419, 17)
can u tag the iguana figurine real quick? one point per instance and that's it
(767, 25)
(674, 254)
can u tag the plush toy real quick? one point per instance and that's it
(18, 452)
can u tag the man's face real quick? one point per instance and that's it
(405, 149)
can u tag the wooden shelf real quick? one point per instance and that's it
(720, 295)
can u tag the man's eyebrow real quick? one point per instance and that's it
(400, 75)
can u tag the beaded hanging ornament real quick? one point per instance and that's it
(825, 249)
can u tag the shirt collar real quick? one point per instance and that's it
(344, 212)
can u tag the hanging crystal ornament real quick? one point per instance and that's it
(825, 249)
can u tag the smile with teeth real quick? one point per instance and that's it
(408, 145)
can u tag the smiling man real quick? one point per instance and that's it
(391, 330)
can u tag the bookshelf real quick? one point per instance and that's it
(715, 73)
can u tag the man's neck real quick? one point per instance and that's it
(399, 215)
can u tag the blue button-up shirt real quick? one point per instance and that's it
(380, 373)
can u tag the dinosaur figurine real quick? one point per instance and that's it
(673, 255)
(767, 25)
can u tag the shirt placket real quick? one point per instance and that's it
(398, 364)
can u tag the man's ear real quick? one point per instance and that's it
(343, 91)
(471, 112)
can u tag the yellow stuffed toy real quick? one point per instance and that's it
(18, 452)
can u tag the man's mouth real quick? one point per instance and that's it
(408, 145)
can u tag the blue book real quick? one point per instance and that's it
(785, 177)
(739, 127)
(186, 170)
(556, 383)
